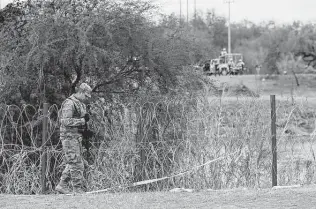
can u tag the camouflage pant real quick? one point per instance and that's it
(73, 172)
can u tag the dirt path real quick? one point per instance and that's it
(302, 197)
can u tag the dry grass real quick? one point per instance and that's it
(281, 85)
(162, 137)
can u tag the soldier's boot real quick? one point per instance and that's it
(62, 188)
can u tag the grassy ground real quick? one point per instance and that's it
(282, 86)
(296, 148)
(296, 157)
(303, 197)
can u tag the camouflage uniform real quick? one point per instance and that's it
(71, 121)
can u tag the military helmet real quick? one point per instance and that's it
(86, 89)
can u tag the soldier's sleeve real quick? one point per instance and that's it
(67, 115)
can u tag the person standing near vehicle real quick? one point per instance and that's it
(73, 120)
(241, 64)
(231, 63)
(258, 68)
(224, 52)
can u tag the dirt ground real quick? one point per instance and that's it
(301, 197)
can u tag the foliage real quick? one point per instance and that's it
(104, 43)
(305, 44)
(59, 44)
(291, 63)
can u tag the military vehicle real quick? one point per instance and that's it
(228, 64)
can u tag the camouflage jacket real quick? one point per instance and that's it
(71, 116)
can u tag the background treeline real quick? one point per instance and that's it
(267, 44)
(121, 47)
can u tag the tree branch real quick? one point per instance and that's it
(78, 69)
(116, 78)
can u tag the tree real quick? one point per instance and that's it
(305, 44)
(111, 45)
(217, 29)
(292, 64)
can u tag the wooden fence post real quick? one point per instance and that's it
(44, 156)
(273, 138)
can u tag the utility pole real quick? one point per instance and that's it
(194, 10)
(180, 12)
(229, 34)
(188, 12)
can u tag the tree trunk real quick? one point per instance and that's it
(296, 79)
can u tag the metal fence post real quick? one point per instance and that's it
(44, 156)
(273, 138)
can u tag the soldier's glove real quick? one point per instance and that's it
(86, 117)
(81, 129)
(87, 133)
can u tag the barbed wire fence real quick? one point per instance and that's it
(154, 140)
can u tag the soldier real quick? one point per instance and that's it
(258, 68)
(224, 52)
(240, 64)
(231, 63)
(73, 119)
